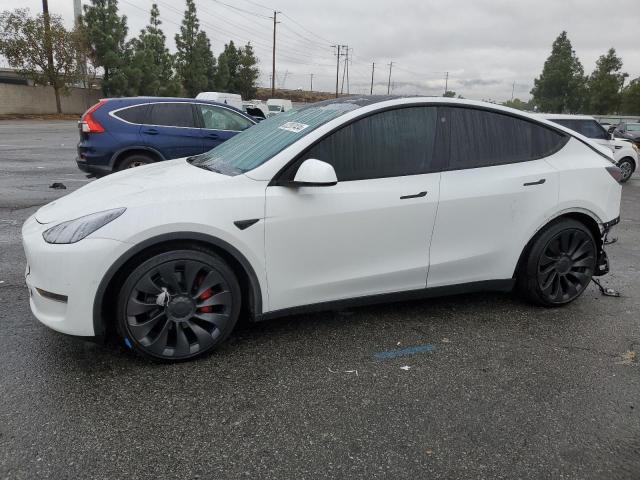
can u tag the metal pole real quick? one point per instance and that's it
(373, 68)
(273, 65)
(389, 81)
(337, 70)
(446, 82)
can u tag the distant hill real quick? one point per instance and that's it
(295, 95)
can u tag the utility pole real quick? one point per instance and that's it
(512, 90)
(273, 65)
(446, 82)
(347, 60)
(344, 70)
(389, 81)
(338, 54)
(311, 77)
(81, 59)
(373, 69)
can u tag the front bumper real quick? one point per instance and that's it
(63, 279)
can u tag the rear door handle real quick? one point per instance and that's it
(539, 182)
(213, 135)
(150, 131)
(416, 195)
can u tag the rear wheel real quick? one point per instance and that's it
(626, 166)
(135, 160)
(178, 305)
(559, 265)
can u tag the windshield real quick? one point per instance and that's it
(256, 145)
(633, 127)
(274, 108)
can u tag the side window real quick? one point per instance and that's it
(588, 128)
(480, 138)
(172, 115)
(217, 118)
(387, 144)
(133, 114)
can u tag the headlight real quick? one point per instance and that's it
(75, 230)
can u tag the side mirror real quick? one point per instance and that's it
(315, 173)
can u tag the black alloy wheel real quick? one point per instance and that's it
(179, 305)
(560, 264)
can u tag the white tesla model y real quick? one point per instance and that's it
(338, 203)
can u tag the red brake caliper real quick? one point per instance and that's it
(204, 295)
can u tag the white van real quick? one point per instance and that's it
(278, 105)
(625, 153)
(232, 99)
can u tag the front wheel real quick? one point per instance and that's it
(178, 305)
(135, 160)
(626, 166)
(560, 264)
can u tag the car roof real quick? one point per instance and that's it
(564, 116)
(120, 102)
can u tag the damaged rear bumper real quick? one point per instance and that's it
(602, 265)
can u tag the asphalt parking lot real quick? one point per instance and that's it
(491, 387)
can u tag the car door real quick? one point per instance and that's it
(368, 234)
(172, 130)
(219, 124)
(498, 188)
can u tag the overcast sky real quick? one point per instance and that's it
(485, 45)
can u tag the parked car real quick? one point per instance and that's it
(340, 203)
(232, 99)
(278, 105)
(257, 110)
(628, 131)
(120, 133)
(625, 153)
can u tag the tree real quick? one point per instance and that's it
(631, 98)
(105, 33)
(248, 73)
(605, 84)
(228, 62)
(22, 42)
(194, 60)
(517, 104)
(154, 61)
(449, 94)
(561, 86)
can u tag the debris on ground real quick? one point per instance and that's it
(58, 186)
(345, 371)
(606, 291)
(628, 358)
(405, 367)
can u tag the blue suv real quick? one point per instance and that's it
(119, 133)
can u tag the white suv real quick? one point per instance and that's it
(339, 203)
(625, 152)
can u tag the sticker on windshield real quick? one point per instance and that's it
(294, 127)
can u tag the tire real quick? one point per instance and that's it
(559, 264)
(135, 160)
(627, 167)
(178, 305)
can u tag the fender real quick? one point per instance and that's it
(117, 154)
(99, 325)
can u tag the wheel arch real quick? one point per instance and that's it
(633, 161)
(587, 218)
(104, 310)
(123, 153)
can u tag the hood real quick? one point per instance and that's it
(147, 184)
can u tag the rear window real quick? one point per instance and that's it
(588, 128)
(481, 138)
(172, 115)
(132, 114)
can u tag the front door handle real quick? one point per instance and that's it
(150, 131)
(214, 136)
(539, 182)
(415, 195)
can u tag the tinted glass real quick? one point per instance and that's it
(218, 118)
(388, 144)
(633, 127)
(261, 142)
(480, 138)
(133, 114)
(172, 115)
(588, 128)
